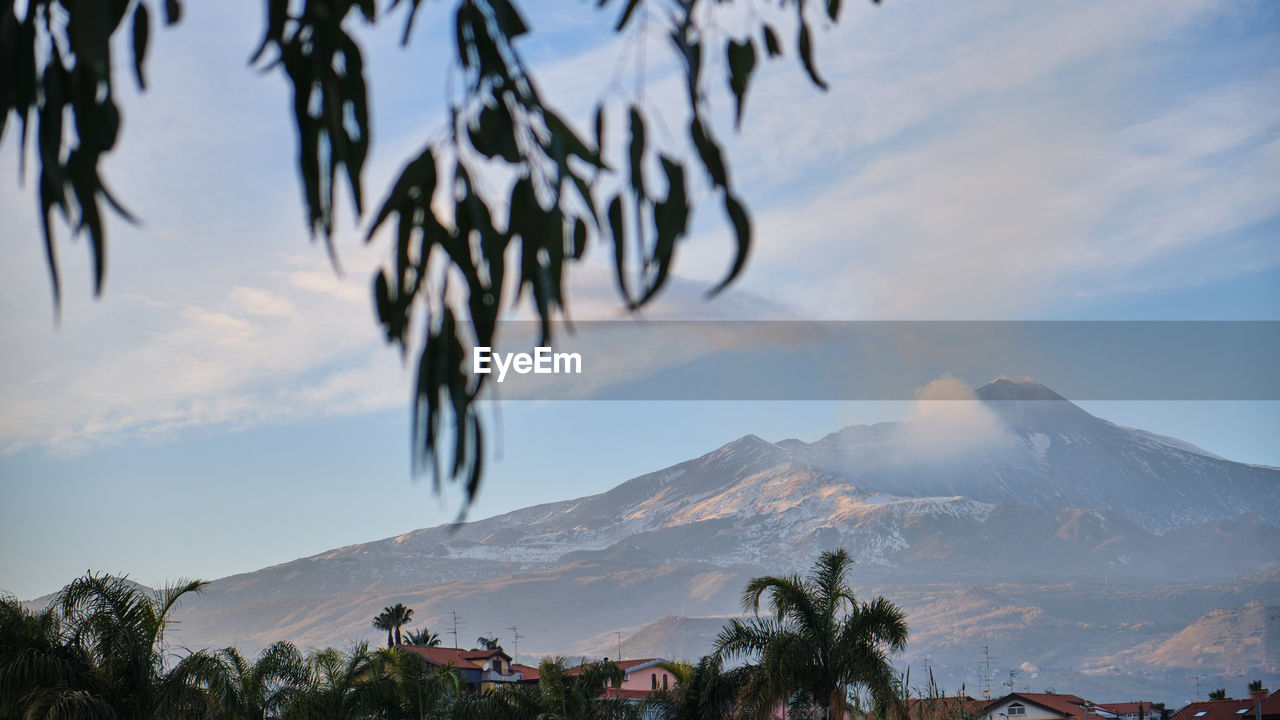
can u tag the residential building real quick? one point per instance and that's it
(1245, 709)
(1044, 706)
(479, 670)
(1140, 710)
(640, 677)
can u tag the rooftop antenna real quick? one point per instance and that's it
(515, 641)
(986, 672)
(619, 634)
(454, 632)
(1012, 675)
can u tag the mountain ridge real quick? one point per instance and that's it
(1040, 494)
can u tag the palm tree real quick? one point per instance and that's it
(98, 651)
(423, 638)
(702, 691)
(397, 616)
(382, 621)
(400, 684)
(571, 695)
(243, 690)
(336, 687)
(817, 643)
(39, 668)
(488, 643)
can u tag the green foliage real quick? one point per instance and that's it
(1255, 685)
(423, 638)
(1219, 694)
(817, 642)
(391, 619)
(56, 81)
(705, 690)
(488, 643)
(449, 228)
(98, 651)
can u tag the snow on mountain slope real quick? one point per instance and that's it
(1041, 488)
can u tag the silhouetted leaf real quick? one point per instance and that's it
(563, 135)
(626, 13)
(382, 300)
(408, 22)
(508, 19)
(420, 176)
(741, 57)
(579, 238)
(771, 44)
(671, 217)
(172, 11)
(709, 152)
(277, 13)
(742, 232)
(833, 10)
(84, 183)
(619, 247)
(806, 57)
(49, 198)
(599, 126)
(637, 152)
(495, 134)
(141, 30)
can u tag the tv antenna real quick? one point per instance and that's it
(1012, 675)
(454, 632)
(515, 641)
(986, 672)
(619, 634)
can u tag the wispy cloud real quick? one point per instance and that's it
(980, 160)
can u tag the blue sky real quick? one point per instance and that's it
(229, 404)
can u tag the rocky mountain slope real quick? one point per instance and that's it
(1015, 489)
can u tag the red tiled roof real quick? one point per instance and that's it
(1216, 710)
(442, 656)
(1071, 706)
(1270, 706)
(624, 665)
(483, 654)
(1125, 708)
(629, 664)
(528, 673)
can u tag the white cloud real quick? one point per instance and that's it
(969, 162)
(984, 194)
(948, 419)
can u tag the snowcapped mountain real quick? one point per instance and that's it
(1032, 447)
(1017, 487)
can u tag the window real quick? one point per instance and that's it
(1202, 713)
(664, 681)
(1017, 709)
(653, 681)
